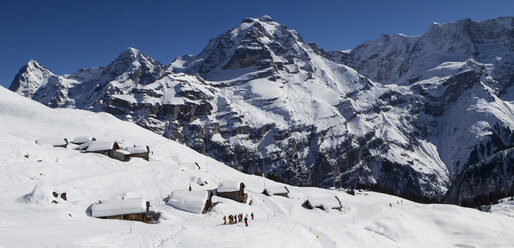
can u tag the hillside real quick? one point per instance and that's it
(29, 219)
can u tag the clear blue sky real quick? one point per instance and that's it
(67, 35)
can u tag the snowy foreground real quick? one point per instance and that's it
(28, 219)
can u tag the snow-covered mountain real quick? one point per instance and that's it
(30, 219)
(402, 59)
(262, 100)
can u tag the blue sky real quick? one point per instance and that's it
(67, 35)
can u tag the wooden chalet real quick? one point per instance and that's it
(136, 209)
(323, 203)
(82, 139)
(280, 191)
(139, 152)
(232, 190)
(196, 201)
(106, 148)
(121, 155)
(54, 142)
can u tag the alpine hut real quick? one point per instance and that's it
(136, 209)
(82, 139)
(232, 190)
(323, 203)
(280, 191)
(121, 155)
(196, 201)
(139, 152)
(54, 142)
(106, 148)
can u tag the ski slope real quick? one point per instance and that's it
(29, 219)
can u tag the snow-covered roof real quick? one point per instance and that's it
(189, 201)
(100, 146)
(82, 139)
(123, 152)
(129, 195)
(84, 146)
(277, 190)
(118, 207)
(137, 149)
(52, 141)
(229, 186)
(328, 202)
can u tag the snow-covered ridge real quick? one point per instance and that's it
(401, 59)
(30, 219)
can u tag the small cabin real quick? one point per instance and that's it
(82, 139)
(121, 155)
(323, 203)
(139, 152)
(280, 191)
(232, 190)
(136, 209)
(106, 148)
(54, 142)
(196, 201)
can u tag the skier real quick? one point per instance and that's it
(246, 221)
(230, 219)
(252, 215)
(240, 217)
(224, 220)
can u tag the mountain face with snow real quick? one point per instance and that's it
(411, 114)
(403, 59)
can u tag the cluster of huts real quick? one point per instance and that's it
(112, 149)
(135, 208)
(132, 207)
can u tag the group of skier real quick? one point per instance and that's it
(233, 219)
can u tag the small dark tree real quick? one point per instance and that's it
(274, 177)
(351, 191)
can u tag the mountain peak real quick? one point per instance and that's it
(265, 18)
(30, 77)
(130, 52)
(33, 64)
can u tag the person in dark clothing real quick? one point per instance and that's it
(252, 215)
(246, 221)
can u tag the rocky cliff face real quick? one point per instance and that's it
(263, 101)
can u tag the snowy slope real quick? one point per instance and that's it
(503, 207)
(28, 219)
